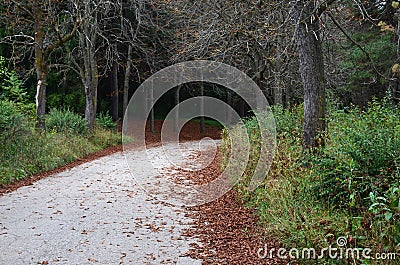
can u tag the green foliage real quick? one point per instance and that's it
(386, 216)
(362, 156)
(351, 189)
(73, 98)
(13, 123)
(104, 137)
(26, 151)
(289, 122)
(363, 76)
(104, 120)
(358, 171)
(382, 51)
(65, 121)
(11, 88)
(210, 122)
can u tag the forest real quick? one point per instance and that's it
(329, 69)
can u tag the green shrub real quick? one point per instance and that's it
(65, 121)
(104, 120)
(11, 89)
(13, 123)
(362, 156)
(386, 217)
(26, 151)
(72, 96)
(350, 190)
(36, 152)
(289, 122)
(357, 67)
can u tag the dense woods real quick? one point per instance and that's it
(90, 55)
(330, 69)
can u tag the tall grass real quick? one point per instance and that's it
(295, 204)
(26, 151)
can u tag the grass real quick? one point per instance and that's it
(26, 151)
(293, 210)
(37, 152)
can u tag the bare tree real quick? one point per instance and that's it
(94, 36)
(309, 49)
(43, 26)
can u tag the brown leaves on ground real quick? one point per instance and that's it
(202, 176)
(228, 231)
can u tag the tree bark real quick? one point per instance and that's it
(42, 51)
(42, 67)
(89, 73)
(278, 84)
(202, 126)
(126, 78)
(287, 95)
(229, 104)
(151, 91)
(278, 95)
(176, 118)
(312, 73)
(114, 93)
(91, 83)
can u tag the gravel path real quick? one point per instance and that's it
(92, 214)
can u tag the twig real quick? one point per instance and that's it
(356, 44)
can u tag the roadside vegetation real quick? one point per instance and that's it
(348, 189)
(26, 151)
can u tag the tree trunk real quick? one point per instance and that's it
(176, 119)
(287, 95)
(278, 95)
(91, 82)
(394, 89)
(202, 126)
(41, 73)
(42, 49)
(242, 108)
(91, 102)
(89, 75)
(278, 84)
(229, 103)
(126, 78)
(152, 109)
(42, 68)
(312, 73)
(114, 93)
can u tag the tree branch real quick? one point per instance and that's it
(63, 39)
(323, 7)
(355, 43)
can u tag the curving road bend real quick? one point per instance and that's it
(92, 214)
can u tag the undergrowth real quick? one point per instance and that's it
(350, 189)
(26, 151)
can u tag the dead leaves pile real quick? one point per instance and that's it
(228, 231)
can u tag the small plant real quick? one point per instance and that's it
(351, 189)
(12, 122)
(361, 156)
(104, 120)
(11, 89)
(65, 121)
(386, 216)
